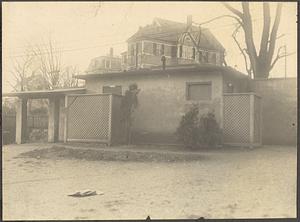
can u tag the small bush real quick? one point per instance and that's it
(195, 132)
(187, 132)
(38, 135)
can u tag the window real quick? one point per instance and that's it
(125, 59)
(198, 91)
(162, 49)
(206, 57)
(132, 50)
(180, 51)
(174, 51)
(213, 58)
(112, 89)
(194, 53)
(154, 49)
(103, 63)
(200, 56)
(107, 64)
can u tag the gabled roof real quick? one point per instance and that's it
(170, 31)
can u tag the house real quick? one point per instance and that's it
(104, 64)
(179, 43)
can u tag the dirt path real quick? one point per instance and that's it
(236, 184)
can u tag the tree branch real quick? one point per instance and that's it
(279, 56)
(241, 50)
(233, 10)
(274, 33)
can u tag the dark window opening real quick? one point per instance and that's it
(206, 57)
(132, 50)
(214, 58)
(194, 53)
(154, 49)
(112, 89)
(162, 49)
(198, 91)
(180, 51)
(107, 64)
(174, 51)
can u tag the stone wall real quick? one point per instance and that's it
(279, 104)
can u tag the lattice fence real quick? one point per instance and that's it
(242, 119)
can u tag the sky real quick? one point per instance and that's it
(84, 30)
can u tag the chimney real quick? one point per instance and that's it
(189, 20)
(111, 52)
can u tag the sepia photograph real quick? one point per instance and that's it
(144, 110)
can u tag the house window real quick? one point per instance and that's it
(213, 58)
(194, 53)
(103, 63)
(154, 49)
(112, 89)
(174, 51)
(180, 51)
(206, 57)
(132, 50)
(107, 64)
(198, 91)
(162, 49)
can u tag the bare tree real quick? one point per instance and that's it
(67, 79)
(258, 63)
(21, 70)
(50, 64)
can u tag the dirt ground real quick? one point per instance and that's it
(235, 183)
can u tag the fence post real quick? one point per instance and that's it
(21, 121)
(252, 113)
(110, 120)
(66, 119)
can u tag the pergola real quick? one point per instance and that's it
(54, 97)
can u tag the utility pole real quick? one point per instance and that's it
(285, 61)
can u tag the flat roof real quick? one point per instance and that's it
(177, 69)
(41, 94)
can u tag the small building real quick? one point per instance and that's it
(104, 64)
(167, 94)
(179, 43)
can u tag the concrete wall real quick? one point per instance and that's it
(162, 101)
(279, 103)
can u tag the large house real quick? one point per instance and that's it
(179, 43)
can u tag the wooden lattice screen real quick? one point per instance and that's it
(89, 118)
(242, 119)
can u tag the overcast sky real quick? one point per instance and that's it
(82, 32)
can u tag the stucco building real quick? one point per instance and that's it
(167, 94)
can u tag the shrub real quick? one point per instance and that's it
(195, 132)
(187, 132)
(209, 131)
